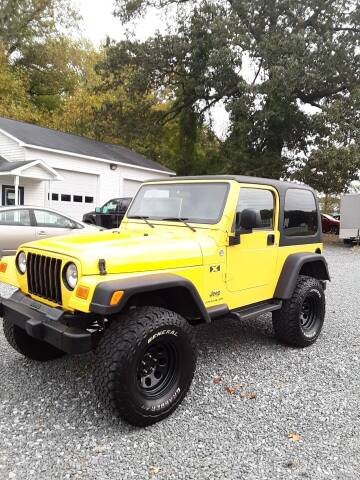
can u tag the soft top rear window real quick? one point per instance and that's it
(300, 213)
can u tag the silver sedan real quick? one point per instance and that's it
(25, 224)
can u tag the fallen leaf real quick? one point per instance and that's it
(248, 395)
(294, 437)
(153, 470)
(217, 380)
(279, 385)
(233, 390)
(100, 449)
(293, 463)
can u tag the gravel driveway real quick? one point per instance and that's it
(287, 414)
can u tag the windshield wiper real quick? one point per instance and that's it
(178, 219)
(139, 217)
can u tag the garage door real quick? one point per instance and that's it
(131, 187)
(76, 194)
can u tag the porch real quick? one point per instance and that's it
(26, 182)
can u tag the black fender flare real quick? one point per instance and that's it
(312, 264)
(100, 303)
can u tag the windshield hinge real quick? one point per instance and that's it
(102, 266)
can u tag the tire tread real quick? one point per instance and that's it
(286, 320)
(118, 345)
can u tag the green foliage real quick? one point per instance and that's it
(331, 170)
(288, 73)
(189, 71)
(24, 21)
(329, 204)
(297, 55)
(53, 69)
(14, 100)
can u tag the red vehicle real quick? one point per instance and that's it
(330, 224)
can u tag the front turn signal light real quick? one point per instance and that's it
(116, 297)
(3, 267)
(82, 292)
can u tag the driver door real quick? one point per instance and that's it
(251, 264)
(51, 224)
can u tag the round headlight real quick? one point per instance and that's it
(71, 276)
(21, 262)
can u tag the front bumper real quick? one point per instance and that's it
(45, 323)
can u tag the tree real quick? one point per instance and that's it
(302, 54)
(188, 71)
(53, 68)
(331, 170)
(24, 21)
(14, 100)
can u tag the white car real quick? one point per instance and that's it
(25, 224)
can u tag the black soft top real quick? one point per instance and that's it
(280, 185)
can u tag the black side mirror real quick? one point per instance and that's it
(245, 222)
(250, 218)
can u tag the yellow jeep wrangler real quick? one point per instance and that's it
(189, 250)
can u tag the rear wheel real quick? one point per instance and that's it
(300, 320)
(145, 364)
(28, 346)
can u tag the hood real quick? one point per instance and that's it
(124, 252)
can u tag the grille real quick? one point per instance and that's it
(44, 277)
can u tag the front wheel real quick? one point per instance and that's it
(145, 363)
(300, 320)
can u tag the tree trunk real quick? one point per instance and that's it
(188, 125)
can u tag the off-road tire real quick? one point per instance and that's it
(28, 346)
(122, 354)
(290, 321)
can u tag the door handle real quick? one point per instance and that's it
(271, 239)
(42, 233)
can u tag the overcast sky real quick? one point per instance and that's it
(98, 22)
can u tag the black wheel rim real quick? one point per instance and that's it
(157, 369)
(310, 313)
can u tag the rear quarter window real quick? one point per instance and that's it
(300, 213)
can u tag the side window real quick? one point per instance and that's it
(124, 204)
(300, 215)
(19, 218)
(258, 199)
(52, 219)
(112, 206)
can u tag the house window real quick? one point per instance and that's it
(89, 199)
(77, 198)
(65, 198)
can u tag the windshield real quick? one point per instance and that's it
(194, 202)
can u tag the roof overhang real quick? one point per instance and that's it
(78, 155)
(36, 169)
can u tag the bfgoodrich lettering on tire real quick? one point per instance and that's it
(300, 320)
(145, 364)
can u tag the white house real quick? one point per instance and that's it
(72, 174)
